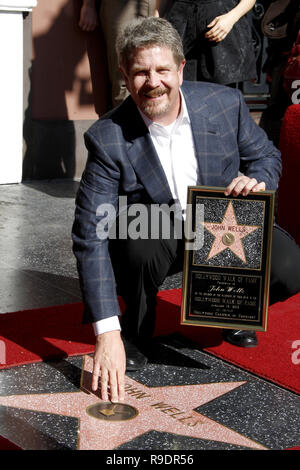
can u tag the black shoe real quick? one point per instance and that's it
(135, 359)
(242, 338)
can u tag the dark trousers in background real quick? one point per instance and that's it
(114, 14)
(142, 265)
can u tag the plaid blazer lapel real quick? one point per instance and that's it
(145, 161)
(207, 141)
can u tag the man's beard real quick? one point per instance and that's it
(155, 109)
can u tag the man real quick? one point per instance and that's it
(166, 136)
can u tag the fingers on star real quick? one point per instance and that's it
(104, 384)
(95, 377)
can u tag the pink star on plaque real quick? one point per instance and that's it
(105, 426)
(228, 234)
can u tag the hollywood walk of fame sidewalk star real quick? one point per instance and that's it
(228, 234)
(167, 409)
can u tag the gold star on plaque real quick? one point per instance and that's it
(228, 234)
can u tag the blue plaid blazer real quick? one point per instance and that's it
(122, 161)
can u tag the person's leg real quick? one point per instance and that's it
(140, 267)
(114, 14)
(285, 266)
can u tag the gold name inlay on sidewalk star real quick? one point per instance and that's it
(169, 410)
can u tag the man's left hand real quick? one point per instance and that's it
(243, 185)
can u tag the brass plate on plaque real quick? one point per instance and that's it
(112, 411)
(228, 239)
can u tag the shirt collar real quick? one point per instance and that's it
(182, 118)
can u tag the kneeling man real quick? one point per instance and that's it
(167, 135)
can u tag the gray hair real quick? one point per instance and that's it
(147, 32)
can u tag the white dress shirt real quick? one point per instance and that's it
(174, 145)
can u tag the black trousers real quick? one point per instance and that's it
(142, 265)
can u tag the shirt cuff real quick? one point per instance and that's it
(108, 324)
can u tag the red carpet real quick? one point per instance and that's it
(56, 332)
(5, 444)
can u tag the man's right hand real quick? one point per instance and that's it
(110, 366)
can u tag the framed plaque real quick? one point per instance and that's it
(227, 259)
